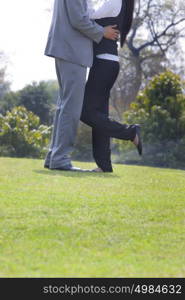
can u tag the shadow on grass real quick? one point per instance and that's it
(151, 165)
(76, 174)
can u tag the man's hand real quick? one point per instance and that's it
(111, 33)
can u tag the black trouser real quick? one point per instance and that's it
(95, 112)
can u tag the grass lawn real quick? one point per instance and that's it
(63, 224)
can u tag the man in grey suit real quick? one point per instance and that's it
(70, 42)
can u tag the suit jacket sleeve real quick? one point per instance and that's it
(79, 19)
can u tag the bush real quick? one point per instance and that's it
(160, 109)
(36, 97)
(22, 135)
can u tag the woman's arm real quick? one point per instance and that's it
(108, 8)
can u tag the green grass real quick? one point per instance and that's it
(64, 224)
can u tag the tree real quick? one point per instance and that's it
(154, 38)
(40, 98)
(36, 98)
(4, 84)
(8, 101)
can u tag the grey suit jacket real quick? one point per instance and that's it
(72, 33)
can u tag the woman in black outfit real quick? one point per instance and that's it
(102, 77)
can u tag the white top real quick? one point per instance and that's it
(104, 9)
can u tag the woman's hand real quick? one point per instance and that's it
(111, 33)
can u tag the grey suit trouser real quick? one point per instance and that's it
(71, 79)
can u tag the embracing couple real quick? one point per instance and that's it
(83, 35)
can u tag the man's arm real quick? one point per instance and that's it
(79, 19)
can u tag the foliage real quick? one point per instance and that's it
(36, 97)
(22, 135)
(160, 109)
(9, 101)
